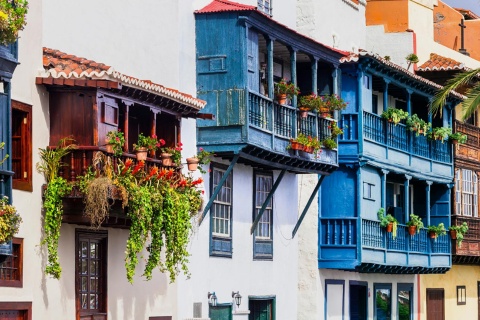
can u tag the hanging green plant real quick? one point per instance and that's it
(12, 19)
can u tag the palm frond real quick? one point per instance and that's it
(461, 79)
(472, 102)
(51, 158)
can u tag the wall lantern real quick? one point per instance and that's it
(212, 299)
(237, 297)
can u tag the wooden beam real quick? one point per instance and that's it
(267, 200)
(309, 202)
(219, 186)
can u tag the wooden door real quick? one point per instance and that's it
(435, 304)
(12, 315)
(220, 312)
(358, 301)
(261, 310)
(478, 299)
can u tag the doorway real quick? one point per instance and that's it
(435, 304)
(261, 309)
(358, 300)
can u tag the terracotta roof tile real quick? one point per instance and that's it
(354, 57)
(468, 13)
(439, 63)
(225, 5)
(58, 64)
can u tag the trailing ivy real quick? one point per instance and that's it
(52, 205)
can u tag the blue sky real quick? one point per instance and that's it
(473, 5)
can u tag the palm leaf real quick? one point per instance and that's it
(472, 102)
(51, 158)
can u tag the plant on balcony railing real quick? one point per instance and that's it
(388, 222)
(335, 130)
(305, 143)
(172, 155)
(115, 142)
(57, 187)
(2, 145)
(457, 137)
(414, 224)
(329, 143)
(308, 103)
(417, 125)
(458, 233)
(284, 90)
(435, 231)
(333, 102)
(146, 144)
(394, 115)
(440, 133)
(9, 220)
(201, 158)
(12, 19)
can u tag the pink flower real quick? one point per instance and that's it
(162, 142)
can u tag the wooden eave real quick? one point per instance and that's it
(120, 90)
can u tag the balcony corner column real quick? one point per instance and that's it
(293, 68)
(406, 199)
(427, 209)
(314, 74)
(409, 101)
(336, 89)
(360, 75)
(383, 187)
(270, 42)
(385, 93)
(449, 195)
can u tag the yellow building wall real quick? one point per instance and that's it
(459, 275)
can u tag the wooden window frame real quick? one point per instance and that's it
(16, 283)
(18, 306)
(25, 184)
(264, 242)
(461, 295)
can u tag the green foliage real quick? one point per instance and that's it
(51, 158)
(288, 88)
(9, 220)
(149, 142)
(335, 130)
(417, 125)
(175, 153)
(461, 230)
(415, 221)
(12, 19)
(458, 136)
(53, 210)
(440, 133)
(385, 220)
(333, 102)
(329, 143)
(117, 140)
(310, 102)
(2, 145)
(438, 230)
(394, 115)
(203, 158)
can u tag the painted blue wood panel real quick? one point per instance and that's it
(338, 204)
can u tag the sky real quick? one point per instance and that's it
(473, 5)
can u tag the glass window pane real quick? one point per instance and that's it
(383, 304)
(404, 305)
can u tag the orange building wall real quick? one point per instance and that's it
(392, 14)
(447, 30)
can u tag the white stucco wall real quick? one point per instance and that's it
(320, 20)
(240, 272)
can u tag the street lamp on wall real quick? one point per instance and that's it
(212, 299)
(237, 297)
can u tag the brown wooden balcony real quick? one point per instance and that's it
(469, 252)
(470, 150)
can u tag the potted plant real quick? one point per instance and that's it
(333, 102)
(329, 143)
(458, 233)
(440, 133)
(435, 231)
(312, 145)
(201, 158)
(284, 90)
(394, 115)
(308, 103)
(12, 19)
(414, 224)
(9, 220)
(115, 142)
(145, 144)
(457, 137)
(335, 130)
(388, 222)
(171, 155)
(417, 125)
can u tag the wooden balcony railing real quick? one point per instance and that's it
(471, 242)
(399, 137)
(472, 132)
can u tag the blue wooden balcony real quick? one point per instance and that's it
(342, 246)
(260, 130)
(394, 145)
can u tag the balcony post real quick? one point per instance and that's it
(270, 66)
(335, 89)
(293, 67)
(385, 94)
(384, 187)
(427, 204)
(406, 199)
(360, 108)
(314, 74)
(409, 101)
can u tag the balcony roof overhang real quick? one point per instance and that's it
(395, 269)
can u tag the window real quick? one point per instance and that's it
(11, 274)
(265, 6)
(263, 245)
(461, 295)
(383, 301)
(405, 301)
(91, 273)
(221, 213)
(466, 193)
(368, 190)
(22, 145)
(334, 299)
(374, 104)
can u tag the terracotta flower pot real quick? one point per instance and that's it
(192, 164)
(453, 234)
(432, 234)
(166, 159)
(412, 230)
(141, 154)
(109, 148)
(282, 98)
(294, 145)
(389, 227)
(308, 149)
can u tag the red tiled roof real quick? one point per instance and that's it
(354, 57)
(439, 63)
(225, 5)
(58, 64)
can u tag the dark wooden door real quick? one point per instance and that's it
(12, 315)
(261, 310)
(220, 312)
(478, 301)
(435, 304)
(358, 302)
